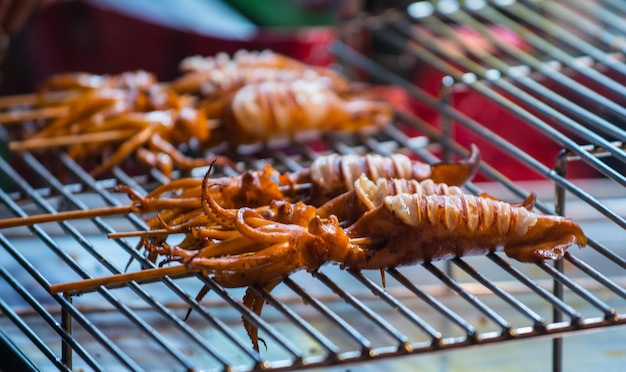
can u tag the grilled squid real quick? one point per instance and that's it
(334, 174)
(275, 109)
(152, 123)
(220, 74)
(261, 246)
(129, 80)
(367, 195)
(413, 228)
(405, 229)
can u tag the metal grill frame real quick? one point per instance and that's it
(64, 318)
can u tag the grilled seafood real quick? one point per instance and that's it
(180, 200)
(219, 75)
(249, 98)
(153, 124)
(438, 226)
(270, 109)
(332, 175)
(156, 139)
(367, 195)
(405, 229)
(178, 204)
(94, 106)
(131, 80)
(262, 95)
(261, 246)
(445, 226)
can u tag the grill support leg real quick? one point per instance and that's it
(559, 207)
(66, 324)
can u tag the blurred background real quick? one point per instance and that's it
(110, 36)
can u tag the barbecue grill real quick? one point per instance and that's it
(538, 85)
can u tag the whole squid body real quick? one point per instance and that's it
(396, 230)
(333, 174)
(262, 246)
(281, 109)
(413, 228)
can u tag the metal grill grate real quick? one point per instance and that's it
(561, 82)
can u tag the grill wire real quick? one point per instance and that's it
(564, 86)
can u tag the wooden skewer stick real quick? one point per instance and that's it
(79, 214)
(117, 280)
(146, 233)
(73, 139)
(34, 98)
(64, 216)
(16, 117)
(130, 234)
(18, 100)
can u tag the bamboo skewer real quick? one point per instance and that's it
(73, 139)
(18, 100)
(148, 233)
(15, 117)
(132, 234)
(90, 213)
(117, 280)
(36, 98)
(64, 216)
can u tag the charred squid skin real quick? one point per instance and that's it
(548, 239)
(457, 174)
(411, 228)
(305, 248)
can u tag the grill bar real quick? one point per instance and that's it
(552, 299)
(609, 312)
(595, 274)
(437, 305)
(564, 120)
(546, 70)
(328, 345)
(377, 319)
(68, 260)
(124, 359)
(539, 22)
(519, 306)
(379, 292)
(449, 282)
(365, 344)
(52, 322)
(37, 276)
(610, 18)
